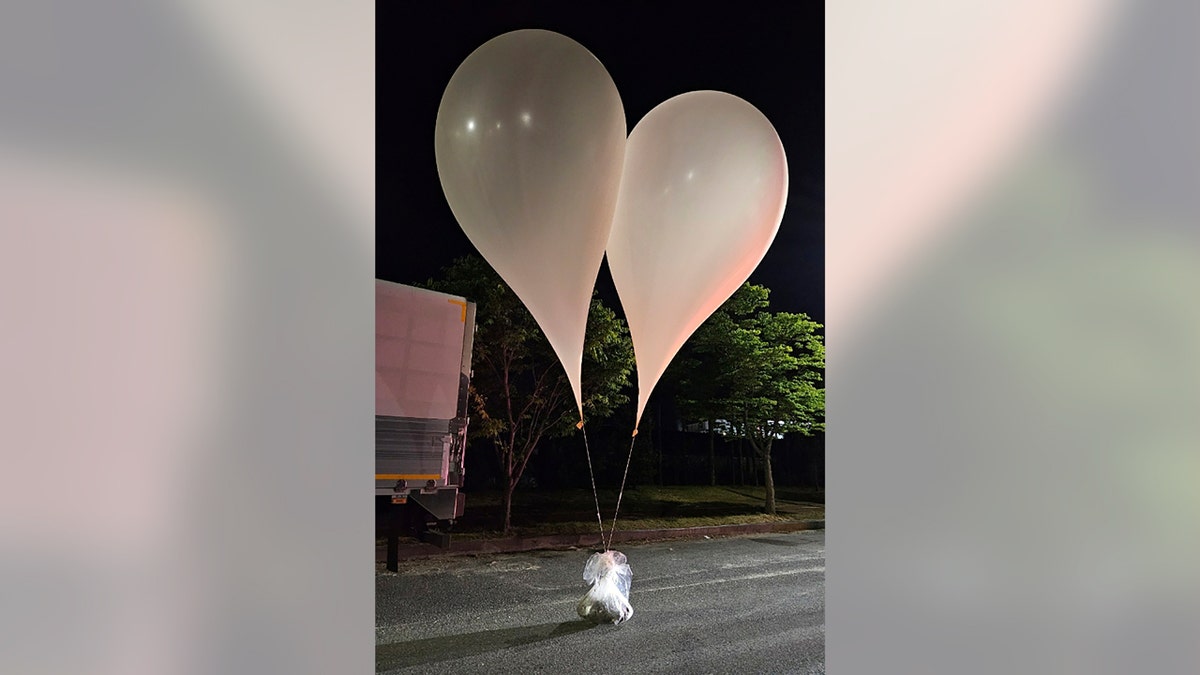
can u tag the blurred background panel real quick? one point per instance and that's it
(1014, 337)
(186, 240)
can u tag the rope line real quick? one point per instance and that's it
(595, 496)
(620, 494)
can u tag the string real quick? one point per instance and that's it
(592, 475)
(620, 494)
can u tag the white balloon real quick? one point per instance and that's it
(529, 139)
(703, 190)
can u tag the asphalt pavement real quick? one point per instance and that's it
(753, 604)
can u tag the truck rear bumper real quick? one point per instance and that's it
(444, 503)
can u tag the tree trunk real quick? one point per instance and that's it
(508, 494)
(742, 472)
(769, 481)
(510, 483)
(712, 456)
(732, 470)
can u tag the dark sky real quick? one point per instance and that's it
(769, 53)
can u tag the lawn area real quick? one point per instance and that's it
(537, 512)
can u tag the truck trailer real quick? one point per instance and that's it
(423, 343)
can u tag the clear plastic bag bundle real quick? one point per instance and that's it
(607, 601)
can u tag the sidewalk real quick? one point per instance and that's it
(413, 551)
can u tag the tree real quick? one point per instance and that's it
(756, 374)
(520, 394)
(706, 368)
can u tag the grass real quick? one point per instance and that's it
(540, 512)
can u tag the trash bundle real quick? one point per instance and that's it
(608, 598)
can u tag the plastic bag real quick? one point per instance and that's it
(607, 601)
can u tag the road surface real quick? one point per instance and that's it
(744, 604)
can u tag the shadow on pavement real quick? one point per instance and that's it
(433, 650)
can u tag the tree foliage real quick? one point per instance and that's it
(755, 374)
(520, 394)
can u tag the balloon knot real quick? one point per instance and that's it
(580, 425)
(635, 432)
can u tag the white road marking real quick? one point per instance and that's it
(747, 577)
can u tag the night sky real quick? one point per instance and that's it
(770, 54)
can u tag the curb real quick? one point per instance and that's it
(559, 541)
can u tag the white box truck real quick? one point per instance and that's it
(423, 343)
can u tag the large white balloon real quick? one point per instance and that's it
(529, 140)
(702, 193)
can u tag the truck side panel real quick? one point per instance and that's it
(423, 342)
(418, 352)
